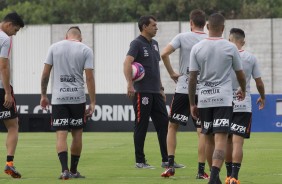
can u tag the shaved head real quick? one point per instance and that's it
(74, 33)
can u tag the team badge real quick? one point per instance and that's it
(156, 47)
(145, 100)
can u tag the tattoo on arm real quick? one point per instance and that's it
(44, 84)
(218, 155)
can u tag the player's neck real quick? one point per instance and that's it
(149, 38)
(215, 34)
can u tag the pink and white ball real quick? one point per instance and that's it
(138, 71)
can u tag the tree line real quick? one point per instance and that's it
(102, 11)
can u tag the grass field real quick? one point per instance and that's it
(109, 158)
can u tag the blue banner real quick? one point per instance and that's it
(268, 119)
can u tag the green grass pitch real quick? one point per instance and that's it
(108, 158)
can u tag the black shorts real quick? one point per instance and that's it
(216, 119)
(5, 113)
(68, 116)
(241, 124)
(180, 110)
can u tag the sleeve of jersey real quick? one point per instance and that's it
(6, 48)
(237, 62)
(133, 49)
(175, 42)
(49, 58)
(256, 71)
(89, 59)
(193, 66)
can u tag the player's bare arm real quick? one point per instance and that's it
(127, 70)
(44, 102)
(192, 91)
(5, 77)
(242, 82)
(260, 88)
(90, 82)
(165, 57)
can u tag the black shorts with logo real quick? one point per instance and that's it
(5, 113)
(216, 119)
(180, 110)
(68, 116)
(241, 124)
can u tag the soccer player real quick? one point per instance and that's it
(69, 58)
(10, 25)
(180, 110)
(214, 58)
(242, 110)
(147, 94)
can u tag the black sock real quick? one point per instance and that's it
(235, 170)
(10, 158)
(170, 160)
(228, 168)
(63, 157)
(74, 163)
(214, 174)
(201, 168)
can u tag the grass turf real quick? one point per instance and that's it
(109, 158)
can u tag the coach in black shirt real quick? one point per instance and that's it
(147, 94)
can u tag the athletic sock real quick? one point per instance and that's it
(63, 157)
(74, 163)
(170, 160)
(10, 158)
(201, 168)
(235, 170)
(214, 175)
(228, 166)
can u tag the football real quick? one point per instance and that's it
(138, 71)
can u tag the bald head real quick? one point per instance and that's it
(216, 22)
(74, 33)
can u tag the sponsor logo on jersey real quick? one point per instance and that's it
(68, 89)
(213, 100)
(221, 123)
(76, 122)
(146, 53)
(145, 100)
(68, 98)
(210, 91)
(238, 128)
(180, 117)
(5, 114)
(207, 125)
(211, 84)
(240, 106)
(67, 78)
(60, 122)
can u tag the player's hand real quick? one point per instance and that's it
(175, 77)
(9, 101)
(130, 91)
(194, 112)
(240, 94)
(163, 95)
(261, 103)
(90, 110)
(44, 103)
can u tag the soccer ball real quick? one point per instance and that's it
(138, 71)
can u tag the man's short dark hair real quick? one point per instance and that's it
(237, 33)
(14, 18)
(74, 27)
(216, 21)
(198, 17)
(145, 20)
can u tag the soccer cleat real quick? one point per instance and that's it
(11, 170)
(175, 165)
(204, 176)
(65, 175)
(76, 175)
(168, 172)
(227, 180)
(144, 166)
(234, 181)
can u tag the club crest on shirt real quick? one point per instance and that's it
(146, 53)
(156, 47)
(145, 100)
